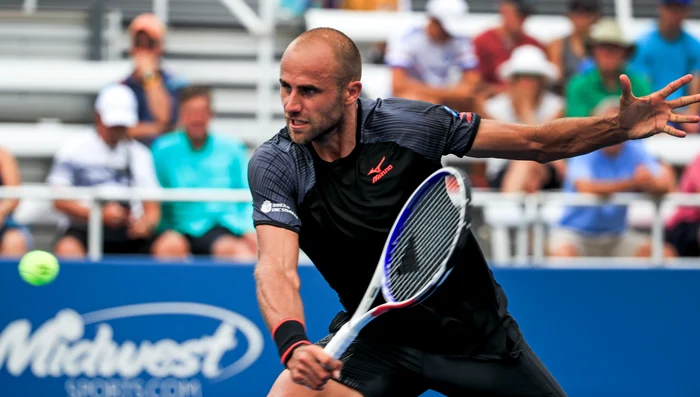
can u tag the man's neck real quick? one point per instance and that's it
(340, 143)
(670, 33)
(610, 79)
(510, 38)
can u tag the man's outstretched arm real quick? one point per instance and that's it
(568, 137)
(278, 286)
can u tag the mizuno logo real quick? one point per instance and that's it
(378, 172)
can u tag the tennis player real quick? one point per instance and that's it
(332, 182)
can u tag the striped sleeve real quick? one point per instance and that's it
(273, 184)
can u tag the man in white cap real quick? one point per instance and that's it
(107, 158)
(435, 62)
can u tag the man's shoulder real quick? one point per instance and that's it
(139, 149)
(279, 148)
(226, 142)
(79, 145)
(582, 79)
(486, 36)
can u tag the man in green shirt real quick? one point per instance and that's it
(195, 158)
(611, 52)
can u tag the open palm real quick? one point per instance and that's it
(650, 115)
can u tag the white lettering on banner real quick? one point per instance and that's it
(154, 387)
(268, 206)
(56, 348)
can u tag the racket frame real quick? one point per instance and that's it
(363, 314)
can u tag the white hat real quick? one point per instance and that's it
(528, 59)
(117, 106)
(449, 13)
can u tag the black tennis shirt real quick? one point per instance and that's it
(344, 210)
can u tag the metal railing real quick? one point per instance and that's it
(531, 204)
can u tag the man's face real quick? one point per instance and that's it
(583, 20)
(143, 43)
(673, 15)
(512, 19)
(312, 100)
(610, 58)
(195, 114)
(436, 32)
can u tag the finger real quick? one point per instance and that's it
(684, 101)
(626, 86)
(314, 369)
(683, 118)
(673, 131)
(675, 85)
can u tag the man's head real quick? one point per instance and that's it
(195, 112)
(320, 74)
(584, 13)
(609, 46)
(672, 13)
(147, 34)
(116, 110)
(445, 18)
(514, 13)
(528, 70)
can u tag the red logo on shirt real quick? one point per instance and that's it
(379, 171)
(467, 116)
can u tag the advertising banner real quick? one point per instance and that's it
(151, 329)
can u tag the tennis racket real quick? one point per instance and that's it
(416, 256)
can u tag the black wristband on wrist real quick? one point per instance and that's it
(288, 335)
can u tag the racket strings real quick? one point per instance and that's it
(425, 240)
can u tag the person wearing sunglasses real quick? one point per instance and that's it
(156, 90)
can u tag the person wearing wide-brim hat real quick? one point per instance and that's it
(610, 51)
(528, 75)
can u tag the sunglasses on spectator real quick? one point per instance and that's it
(142, 40)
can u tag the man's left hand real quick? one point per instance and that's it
(650, 115)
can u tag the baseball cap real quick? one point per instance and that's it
(448, 13)
(149, 24)
(116, 104)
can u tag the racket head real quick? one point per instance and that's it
(416, 257)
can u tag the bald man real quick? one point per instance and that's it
(332, 182)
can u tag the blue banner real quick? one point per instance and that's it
(122, 328)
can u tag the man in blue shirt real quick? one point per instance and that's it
(669, 51)
(196, 158)
(602, 230)
(155, 89)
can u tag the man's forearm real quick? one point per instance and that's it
(602, 187)
(74, 209)
(570, 137)
(147, 130)
(557, 139)
(278, 295)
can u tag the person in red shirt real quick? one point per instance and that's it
(683, 229)
(494, 46)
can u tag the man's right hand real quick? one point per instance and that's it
(312, 367)
(114, 215)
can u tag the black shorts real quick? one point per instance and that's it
(377, 369)
(202, 245)
(685, 238)
(126, 246)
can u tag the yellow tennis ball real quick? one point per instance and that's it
(38, 267)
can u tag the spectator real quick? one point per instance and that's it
(107, 158)
(669, 52)
(602, 230)
(197, 158)
(434, 63)
(683, 229)
(15, 239)
(155, 89)
(528, 74)
(569, 52)
(610, 51)
(494, 46)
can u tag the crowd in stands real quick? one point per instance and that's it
(502, 73)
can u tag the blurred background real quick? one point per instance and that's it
(126, 127)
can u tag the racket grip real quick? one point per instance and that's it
(340, 341)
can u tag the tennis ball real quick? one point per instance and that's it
(38, 267)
